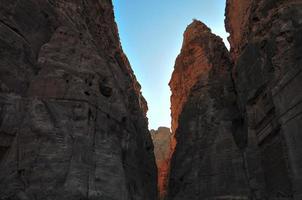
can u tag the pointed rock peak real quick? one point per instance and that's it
(197, 25)
(194, 30)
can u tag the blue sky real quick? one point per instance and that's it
(151, 33)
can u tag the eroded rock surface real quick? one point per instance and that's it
(72, 118)
(206, 163)
(266, 46)
(162, 140)
(245, 116)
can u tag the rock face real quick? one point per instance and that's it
(266, 46)
(237, 123)
(206, 163)
(72, 118)
(162, 140)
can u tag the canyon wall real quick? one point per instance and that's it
(266, 46)
(237, 118)
(72, 118)
(206, 163)
(162, 140)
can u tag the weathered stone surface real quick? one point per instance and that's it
(266, 44)
(162, 140)
(206, 163)
(72, 118)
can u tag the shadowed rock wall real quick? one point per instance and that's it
(266, 46)
(72, 118)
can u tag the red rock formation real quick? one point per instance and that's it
(72, 118)
(162, 139)
(206, 163)
(189, 66)
(266, 43)
(265, 38)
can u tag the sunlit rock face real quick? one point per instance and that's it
(206, 164)
(162, 138)
(72, 118)
(266, 46)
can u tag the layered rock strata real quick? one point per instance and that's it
(206, 163)
(72, 118)
(266, 46)
(162, 140)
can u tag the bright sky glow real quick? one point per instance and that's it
(151, 33)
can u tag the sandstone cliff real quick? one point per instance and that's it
(72, 118)
(266, 46)
(239, 121)
(206, 163)
(162, 140)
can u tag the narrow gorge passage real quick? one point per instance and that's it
(73, 120)
(163, 149)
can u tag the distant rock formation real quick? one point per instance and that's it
(238, 120)
(206, 163)
(162, 138)
(72, 118)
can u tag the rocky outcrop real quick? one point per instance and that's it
(206, 163)
(162, 138)
(240, 123)
(266, 46)
(72, 118)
